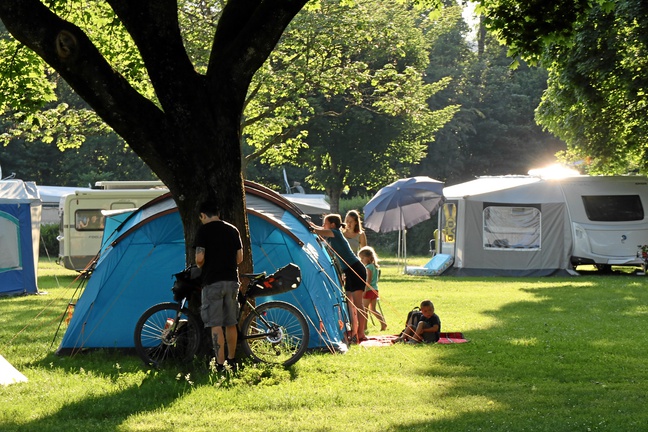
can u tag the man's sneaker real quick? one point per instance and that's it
(232, 365)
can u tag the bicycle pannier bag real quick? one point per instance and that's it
(285, 279)
(186, 281)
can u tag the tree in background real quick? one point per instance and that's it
(494, 132)
(596, 100)
(353, 106)
(595, 52)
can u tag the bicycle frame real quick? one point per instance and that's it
(272, 332)
(244, 301)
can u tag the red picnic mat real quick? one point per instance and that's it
(380, 340)
(387, 340)
(452, 338)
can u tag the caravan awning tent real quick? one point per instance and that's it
(20, 213)
(509, 225)
(135, 272)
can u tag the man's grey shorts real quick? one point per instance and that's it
(219, 306)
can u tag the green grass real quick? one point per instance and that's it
(550, 354)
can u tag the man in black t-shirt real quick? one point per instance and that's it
(219, 251)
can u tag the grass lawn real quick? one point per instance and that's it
(549, 354)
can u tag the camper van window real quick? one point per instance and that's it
(89, 220)
(613, 208)
(512, 228)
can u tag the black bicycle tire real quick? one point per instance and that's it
(294, 328)
(149, 333)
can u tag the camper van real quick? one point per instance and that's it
(81, 216)
(526, 225)
(608, 217)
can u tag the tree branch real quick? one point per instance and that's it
(275, 140)
(247, 33)
(68, 50)
(154, 26)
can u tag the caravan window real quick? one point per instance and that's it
(512, 228)
(613, 208)
(89, 220)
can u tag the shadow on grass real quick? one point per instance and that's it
(571, 358)
(122, 392)
(106, 411)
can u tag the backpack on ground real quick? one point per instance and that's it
(413, 318)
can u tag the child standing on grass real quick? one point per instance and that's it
(369, 258)
(424, 326)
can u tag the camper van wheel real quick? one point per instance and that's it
(276, 332)
(166, 333)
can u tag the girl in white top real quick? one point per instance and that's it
(353, 231)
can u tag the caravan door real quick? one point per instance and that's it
(447, 235)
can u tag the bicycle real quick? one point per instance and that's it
(274, 332)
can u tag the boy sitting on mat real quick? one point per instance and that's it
(423, 326)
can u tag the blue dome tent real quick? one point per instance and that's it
(135, 271)
(20, 216)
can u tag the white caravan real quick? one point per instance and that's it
(82, 221)
(525, 225)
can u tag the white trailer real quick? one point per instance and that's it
(525, 225)
(82, 222)
(609, 218)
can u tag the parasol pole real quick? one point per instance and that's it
(398, 250)
(404, 230)
(400, 233)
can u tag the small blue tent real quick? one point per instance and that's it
(20, 213)
(135, 271)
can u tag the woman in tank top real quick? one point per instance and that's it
(353, 231)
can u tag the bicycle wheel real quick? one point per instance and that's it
(163, 335)
(285, 334)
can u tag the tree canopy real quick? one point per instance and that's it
(189, 133)
(596, 53)
(344, 95)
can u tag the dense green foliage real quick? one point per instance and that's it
(343, 95)
(533, 363)
(597, 98)
(49, 245)
(495, 118)
(298, 99)
(496, 115)
(596, 54)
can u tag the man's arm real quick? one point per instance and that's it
(239, 256)
(200, 256)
